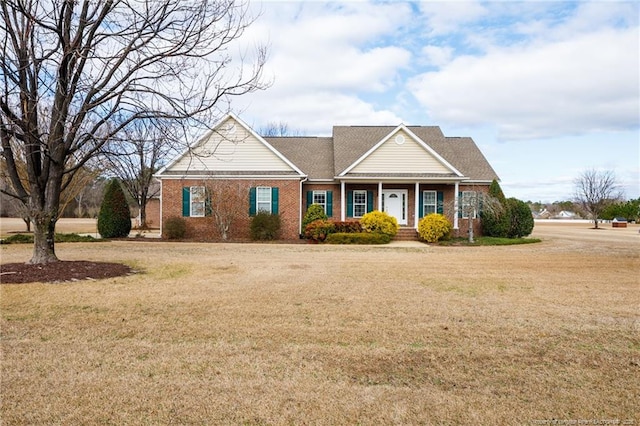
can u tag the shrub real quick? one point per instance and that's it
(434, 227)
(58, 238)
(314, 212)
(265, 226)
(379, 222)
(358, 238)
(521, 223)
(319, 230)
(114, 219)
(175, 228)
(349, 226)
(495, 221)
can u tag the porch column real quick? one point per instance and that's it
(343, 197)
(380, 196)
(455, 205)
(417, 206)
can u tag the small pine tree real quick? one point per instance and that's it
(114, 219)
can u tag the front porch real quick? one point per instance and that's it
(407, 202)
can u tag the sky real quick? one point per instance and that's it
(547, 89)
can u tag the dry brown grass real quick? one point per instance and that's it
(308, 334)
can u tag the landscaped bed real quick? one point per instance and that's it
(329, 334)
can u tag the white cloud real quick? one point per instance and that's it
(581, 84)
(437, 56)
(324, 59)
(444, 17)
(316, 113)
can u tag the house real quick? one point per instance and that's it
(564, 214)
(406, 171)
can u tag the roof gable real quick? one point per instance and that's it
(401, 151)
(231, 147)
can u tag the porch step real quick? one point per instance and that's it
(406, 234)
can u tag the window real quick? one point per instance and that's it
(263, 199)
(468, 204)
(359, 203)
(429, 202)
(196, 201)
(320, 197)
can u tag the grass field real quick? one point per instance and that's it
(314, 334)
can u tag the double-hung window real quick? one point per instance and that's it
(359, 203)
(429, 202)
(263, 199)
(468, 204)
(195, 202)
(320, 197)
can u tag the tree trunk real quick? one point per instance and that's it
(43, 240)
(471, 240)
(143, 216)
(27, 222)
(595, 221)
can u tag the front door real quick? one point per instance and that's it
(394, 203)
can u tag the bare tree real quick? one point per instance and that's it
(75, 73)
(279, 128)
(226, 201)
(135, 158)
(595, 191)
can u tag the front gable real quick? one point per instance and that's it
(401, 152)
(231, 148)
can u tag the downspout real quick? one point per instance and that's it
(343, 198)
(417, 206)
(161, 198)
(455, 205)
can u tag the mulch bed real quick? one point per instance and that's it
(20, 273)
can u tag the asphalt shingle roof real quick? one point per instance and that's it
(327, 157)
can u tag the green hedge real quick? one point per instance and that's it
(358, 238)
(59, 238)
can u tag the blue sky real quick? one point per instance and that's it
(547, 89)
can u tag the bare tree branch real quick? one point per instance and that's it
(77, 74)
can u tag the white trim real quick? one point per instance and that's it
(400, 179)
(455, 206)
(343, 201)
(415, 138)
(435, 205)
(215, 128)
(232, 177)
(380, 196)
(416, 205)
(353, 202)
(403, 203)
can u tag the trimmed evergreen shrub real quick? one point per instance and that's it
(434, 227)
(174, 228)
(114, 219)
(58, 238)
(496, 222)
(314, 212)
(358, 238)
(348, 226)
(521, 223)
(380, 222)
(319, 230)
(265, 226)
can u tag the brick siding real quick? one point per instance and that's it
(204, 228)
